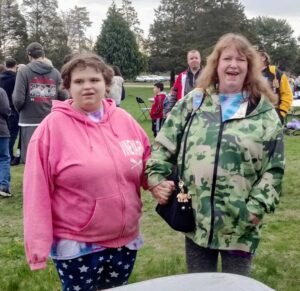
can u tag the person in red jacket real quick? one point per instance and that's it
(186, 80)
(156, 112)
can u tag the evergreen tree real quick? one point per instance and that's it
(166, 42)
(117, 44)
(40, 15)
(130, 15)
(45, 26)
(276, 35)
(12, 29)
(76, 21)
(182, 25)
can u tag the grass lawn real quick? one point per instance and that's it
(277, 262)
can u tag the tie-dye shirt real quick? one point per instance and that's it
(230, 103)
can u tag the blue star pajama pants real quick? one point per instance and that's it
(101, 270)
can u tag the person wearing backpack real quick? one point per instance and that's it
(279, 84)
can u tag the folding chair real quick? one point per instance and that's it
(145, 109)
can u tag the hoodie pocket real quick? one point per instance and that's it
(106, 221)
(133, 213)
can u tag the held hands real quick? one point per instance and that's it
(162, 191)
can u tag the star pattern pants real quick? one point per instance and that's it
(102, 270)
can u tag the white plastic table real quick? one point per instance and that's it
(295, 108)
(198, 282)
(296, 103)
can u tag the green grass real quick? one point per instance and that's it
(277, 262)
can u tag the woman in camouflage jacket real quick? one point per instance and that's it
(234, 160)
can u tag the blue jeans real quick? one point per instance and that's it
(4, 163)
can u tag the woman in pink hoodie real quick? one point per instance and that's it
(84, 169)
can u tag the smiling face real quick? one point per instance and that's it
(87, 88)
(232, 70)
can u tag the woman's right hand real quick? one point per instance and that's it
(162, 191)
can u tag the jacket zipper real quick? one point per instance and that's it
(213, 188)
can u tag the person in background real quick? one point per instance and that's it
(279, 83)
(17, 154)
(291, 79)
(7, 82)
(297, 87)
(234, 157)
(172, 78)
(37, 84)
(186, 81)
(116, 90)
(85, 166)
(2, 68)
(4, 145)
(48, 62)
(156, 112)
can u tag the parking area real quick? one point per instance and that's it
(152, 78)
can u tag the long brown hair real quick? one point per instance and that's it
(254, 82)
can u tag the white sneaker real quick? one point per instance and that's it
(5, 193)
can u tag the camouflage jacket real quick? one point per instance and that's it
(231, 169)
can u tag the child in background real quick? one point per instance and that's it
(156, 112)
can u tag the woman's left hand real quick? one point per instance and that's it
(162, 191)
(255, 220)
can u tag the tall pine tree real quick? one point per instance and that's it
(76, 21)
(182, 25)
(276, 35)
(118, 45)
(13, 32)
(130, 15)
(45, 26)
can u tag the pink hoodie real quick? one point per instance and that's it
(82, 180)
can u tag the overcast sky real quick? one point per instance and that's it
(287, 9)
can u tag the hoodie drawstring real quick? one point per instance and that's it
(88, 135)
(112, 128)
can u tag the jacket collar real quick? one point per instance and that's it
(245, 110)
